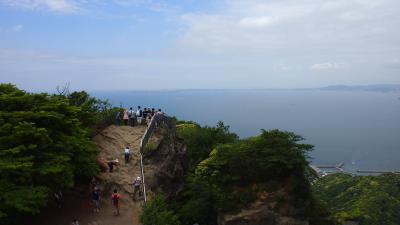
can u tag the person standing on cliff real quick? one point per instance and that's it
(115, 197)
(125, 117)
(96, 199)
(131, 115)
(118, 118)
(111, 165)
(139, 115)
(127, 153)
(136, 186)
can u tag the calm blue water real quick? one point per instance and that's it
(361, 129)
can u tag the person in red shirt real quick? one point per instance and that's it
(115, 198)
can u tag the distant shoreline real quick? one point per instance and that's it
(381, 88)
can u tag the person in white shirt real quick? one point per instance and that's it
(127, 153)
(139, 115)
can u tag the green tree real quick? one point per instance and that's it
(201, 140)
(236, 171)
(367, 199)
(157, 212)
(44, 146)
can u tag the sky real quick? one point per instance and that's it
(198, 44)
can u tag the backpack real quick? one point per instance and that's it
(139, 113)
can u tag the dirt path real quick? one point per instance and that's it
(111, 143)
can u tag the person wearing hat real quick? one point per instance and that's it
(111, 164)
(136, 186)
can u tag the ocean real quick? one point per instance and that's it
(359, 128)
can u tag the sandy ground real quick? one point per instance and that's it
(77, 204)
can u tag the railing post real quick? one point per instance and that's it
(144, 186)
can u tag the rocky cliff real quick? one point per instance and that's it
(165, 163)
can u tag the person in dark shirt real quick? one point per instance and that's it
(145, 113)
(96, 200)
(111, 164)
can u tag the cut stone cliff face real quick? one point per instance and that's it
(165, 164)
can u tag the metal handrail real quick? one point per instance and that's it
(156, 120)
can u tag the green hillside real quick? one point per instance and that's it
(45, 146)
(371, 200)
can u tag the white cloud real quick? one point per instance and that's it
(327, 66)
(293, 27)
(152, 5)
(61, 6)
(262, 21)
(243, 43)
(17, 28)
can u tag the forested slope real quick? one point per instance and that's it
(228, 175)
(45, 146)
(369, 200)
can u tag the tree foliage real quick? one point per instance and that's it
(225, 180)
(45, 145)
(157, 212)
(370, 200)
(201, 140)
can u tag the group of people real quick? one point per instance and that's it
(128, 117)
(115, 196)
(133, 117)
(115, 162)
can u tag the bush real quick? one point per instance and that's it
(157, 212)
(148, 148)
(201, 140)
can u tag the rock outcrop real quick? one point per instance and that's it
(165, 163)
(259, 213)
(280, 206)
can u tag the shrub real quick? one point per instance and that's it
(157, 212)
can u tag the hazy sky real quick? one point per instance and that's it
(175, 44)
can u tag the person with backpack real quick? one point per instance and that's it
(115, 198)
(139, 115)
(96, 199)
(127, 153)
(136, 186)
(131, 115)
